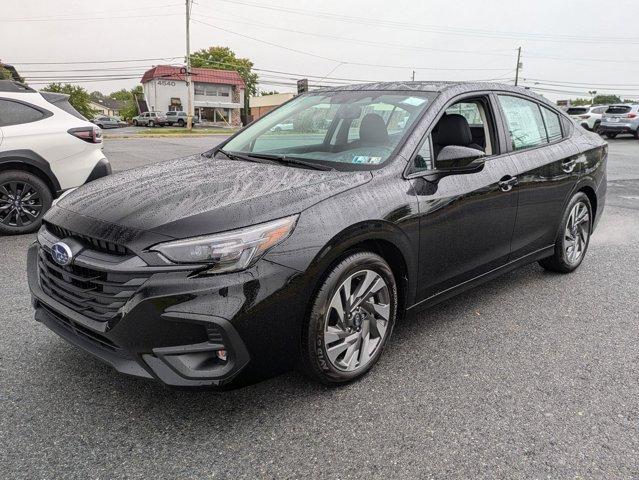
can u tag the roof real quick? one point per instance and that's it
(13, 86)
(200, 75)
(109, 103)
(452, 88)
(270, 100)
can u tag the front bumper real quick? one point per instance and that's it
(171, 329)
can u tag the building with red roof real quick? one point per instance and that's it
(218, 95)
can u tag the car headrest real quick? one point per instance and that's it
(453, 129)
(372, 130)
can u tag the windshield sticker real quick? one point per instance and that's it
(366, 159)
(414, 101)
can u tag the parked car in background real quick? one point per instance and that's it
(46, 148)
(179, 119)
(284, 126)
(588, 117)
(150, 119)
(620, 119)
(269, 252)
(104, 122)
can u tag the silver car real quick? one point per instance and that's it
(150, 119)
(619, 119)
(104, 121)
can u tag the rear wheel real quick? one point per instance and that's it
(180, 122)
(573, 237)
(351, 319)
(151, 123)
(637, 133)
(611, 135)
(596, 127)
(24, 199)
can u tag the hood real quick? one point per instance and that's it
(198, 195)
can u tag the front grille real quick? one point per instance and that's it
(94, 293)
(83, 332)
(93, 243)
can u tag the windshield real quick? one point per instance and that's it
(345, 130)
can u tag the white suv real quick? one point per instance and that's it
(587, 116)
(46, 147)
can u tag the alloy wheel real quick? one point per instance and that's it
(20, 204)
(357, 319)
(576, 233)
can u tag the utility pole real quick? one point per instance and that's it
(413, 75)
(189, 103)
(518, 66)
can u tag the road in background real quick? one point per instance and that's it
(532, 375)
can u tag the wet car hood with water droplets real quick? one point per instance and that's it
(197, 195)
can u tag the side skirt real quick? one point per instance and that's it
(483, 278)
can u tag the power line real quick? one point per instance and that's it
(473, 32)
(86, 62)
(66, 17)
(345, 62)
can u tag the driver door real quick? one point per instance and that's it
(466, 220)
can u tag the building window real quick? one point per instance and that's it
(210, 90)
(176, 105)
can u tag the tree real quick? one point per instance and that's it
(78, 97)
(264, 93)
(605, 99)
(5, 74)
(223, 58)
(97, 96)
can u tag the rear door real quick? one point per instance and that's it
(546, 170)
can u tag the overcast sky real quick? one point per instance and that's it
(567, 46)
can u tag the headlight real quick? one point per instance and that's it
(229, 251)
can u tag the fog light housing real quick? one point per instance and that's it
(221, 354)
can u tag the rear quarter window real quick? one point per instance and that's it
(553, 124)
(17, 113)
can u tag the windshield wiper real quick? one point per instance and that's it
(237, 156)
(292, 160)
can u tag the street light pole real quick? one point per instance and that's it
(189, 102)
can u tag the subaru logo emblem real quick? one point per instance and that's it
(61, 253)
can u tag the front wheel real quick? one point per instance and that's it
(351, 319)
(180, 123)
(24, 199)
(573, 237)
(151, 124)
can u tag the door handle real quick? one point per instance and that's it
(568, 165)
(507, 183)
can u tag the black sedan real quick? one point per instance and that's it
(304, 247)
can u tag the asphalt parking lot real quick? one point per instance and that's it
(533, 375)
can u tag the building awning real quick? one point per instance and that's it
(200, 103)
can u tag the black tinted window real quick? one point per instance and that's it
(619, 109)
(577, 111)
(14, 113)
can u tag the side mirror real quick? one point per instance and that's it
(458, 158)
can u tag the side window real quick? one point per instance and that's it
(14, 113)
(524, 121)
(470, 111)
(424, 158)
(553, 125)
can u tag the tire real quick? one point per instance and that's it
(562, 260)
(637, 134)
(277, 129)
(151, 124)
(181, 123)
(611, 135)
(34, 199)
(334, 354)
(136, 123)
(596, 127)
